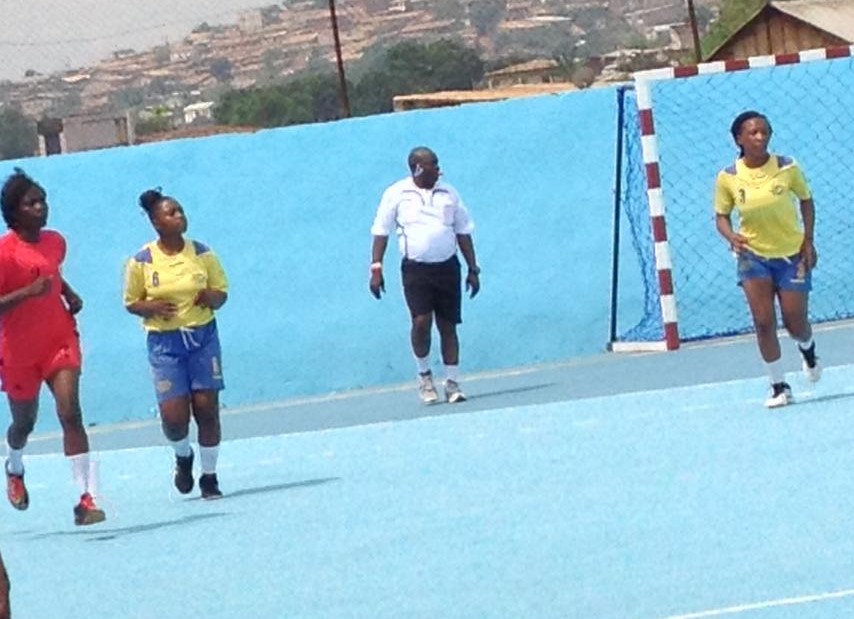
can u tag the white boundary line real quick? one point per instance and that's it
(793, 601)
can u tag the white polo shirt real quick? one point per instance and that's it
(427, 221)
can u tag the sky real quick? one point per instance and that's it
(57, 35)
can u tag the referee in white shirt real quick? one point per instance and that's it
(431, 222)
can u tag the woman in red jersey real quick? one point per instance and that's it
(39, 340)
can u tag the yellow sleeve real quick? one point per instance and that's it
(724, 200)
(134, 282)
(798, 183)
(216, 275)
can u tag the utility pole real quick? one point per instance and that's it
(342, 80)
(695, 32)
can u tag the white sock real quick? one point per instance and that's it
(16, 460)
(775, 371)
(92, 482)
(423, 364)
(80, 471)
(182, 447)
(208, 457)
(806, 345)
(452, 373)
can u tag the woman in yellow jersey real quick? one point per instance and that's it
(175, 285)
(774, 247)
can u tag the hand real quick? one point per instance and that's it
(377, 284)
(738, 243)
(205, 298)
(73, 301)
(161, 309)
(809, 256)
(473, 283)
(39, 287)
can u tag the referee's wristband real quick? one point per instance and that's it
(376, 267)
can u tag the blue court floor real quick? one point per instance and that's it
(647, 486)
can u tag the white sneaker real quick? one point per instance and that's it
(812, 373)
(453, 393)
(781, 395)
(426, 389)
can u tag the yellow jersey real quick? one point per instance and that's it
(154, 274)
(763, 197)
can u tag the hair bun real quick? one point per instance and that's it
(149, 199)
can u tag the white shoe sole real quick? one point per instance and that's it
(812, 374)
(779, 401)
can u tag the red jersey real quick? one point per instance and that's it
(31, 329)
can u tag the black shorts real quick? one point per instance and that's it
(433, 287)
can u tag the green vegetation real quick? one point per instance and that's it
(314, 97)
(18, 137)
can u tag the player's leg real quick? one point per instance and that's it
(5, 588)
(794, 287)
(419, 300)
(168, 357)
(24, 414)
(206, 414)
(206, 381)
(65, 386)
(447, 294)
(760, 296)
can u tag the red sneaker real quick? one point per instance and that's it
(16, 491)
(86, 512)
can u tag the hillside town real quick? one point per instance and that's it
(184, 77)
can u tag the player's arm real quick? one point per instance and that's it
(378, 247)
(724, 204)
(40, 286)
(384, 222)
(216, 293)
(466, 245)
(135, 298)
(72, 299)
(808, 253)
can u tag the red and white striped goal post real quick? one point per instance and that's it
(655, 198)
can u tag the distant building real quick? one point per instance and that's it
(541, 71)
(402, 103)
(789, 27)
(83, 132)
(196, 111)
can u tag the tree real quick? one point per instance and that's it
(221, 69)
(485, 15)
(18, 137)
(733, 15)
(412, 67)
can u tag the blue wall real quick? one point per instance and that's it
(289, 211)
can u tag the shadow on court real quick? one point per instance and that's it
(275, 488)
(101, 535)
(515, 391)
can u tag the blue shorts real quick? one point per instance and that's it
(185, 360)
(786, 273)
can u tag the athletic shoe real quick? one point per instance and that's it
(184, 473)
(16, 490)
(812, 372)
(209, 485)
(86, 512)
(426, 388)
(781, 395)
(810, 365)
(453, 393)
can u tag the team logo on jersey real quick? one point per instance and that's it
(777, 189)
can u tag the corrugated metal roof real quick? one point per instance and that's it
(833, 16)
